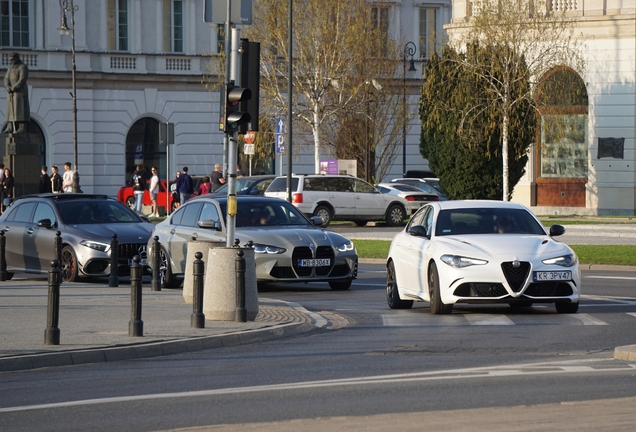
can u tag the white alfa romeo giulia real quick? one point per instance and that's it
(480, 252)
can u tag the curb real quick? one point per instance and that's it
(625, 352)
(153, 349)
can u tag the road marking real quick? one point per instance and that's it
(632, 314)
(544, 368)
(610, 277)
(587, 319)
(477, 319)
(483, 319)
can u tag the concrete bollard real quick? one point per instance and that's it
(135, 325)
(113, 279)
(155, 285)
(195, 246)
(3, 256)
(197, 320)
(219, 296)
(52, 332)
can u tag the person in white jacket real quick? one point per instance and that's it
(154, 191)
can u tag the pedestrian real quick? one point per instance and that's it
(174, 192)
(18, 112)
(56, 180)
(139, 187)
(154, 191)
(185, 187)
(217, 177)
(7, 188)
(205, 186)
(239, 171)
(45, 181)
(67, 178)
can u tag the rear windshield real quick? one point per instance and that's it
(280, 185)
(487, 221)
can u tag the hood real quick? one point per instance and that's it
(497, 245)
(285, 237)
(126, 232)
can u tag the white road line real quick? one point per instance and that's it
(565, 367)
(483, 319)
(610, 277)
(632, 314)
(587, 319)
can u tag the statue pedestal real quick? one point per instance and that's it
(23, 159)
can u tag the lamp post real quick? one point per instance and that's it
(68, 6)
(409, 51)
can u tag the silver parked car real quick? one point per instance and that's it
(415, 197)
(428, 185)
(288, 247)
(86, 223)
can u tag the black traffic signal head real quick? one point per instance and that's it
(234, 117)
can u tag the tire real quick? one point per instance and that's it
(437, 305)
(130, 202)
(68, 265)
(567, 308)
(520, 304)
(392, 294)
(360, 223)
(395, 215)
(168, 280)
(323, 213)
(340, 285)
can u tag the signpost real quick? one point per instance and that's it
(248, 148)
(280, 140)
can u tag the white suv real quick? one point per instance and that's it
(340, 197)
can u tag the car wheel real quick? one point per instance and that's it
(360, 223)
(168, 280)
(520, 304)
(69, 265)
(392, 295)
(323, 213)
(340, 285)
(395, 216)
(437, 305)
(567, 308)
(130, 202)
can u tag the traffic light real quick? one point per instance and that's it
(250, 77)
(234, 117)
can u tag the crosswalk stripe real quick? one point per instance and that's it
(457, 320)
(587, 319)
(483, 319)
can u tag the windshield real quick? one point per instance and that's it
(487, 221)
(267, 213)
(95, 212)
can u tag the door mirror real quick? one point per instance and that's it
(418, 231)
(316, 220)
(44, 223)
(556, 230)
(210, 224)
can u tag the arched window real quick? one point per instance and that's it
(142, 147)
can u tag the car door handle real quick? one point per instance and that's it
(6, 228)
(30, 231)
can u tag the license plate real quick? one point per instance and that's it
(317, 262)
(142, 262)
(552, 276)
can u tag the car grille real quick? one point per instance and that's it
(516, 276)
(324, 252)
(282, 273)
(129, 250)
(306, 253)
(549, 289)
(480, 290)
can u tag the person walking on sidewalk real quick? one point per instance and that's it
(185, 186)
(139, 187)
(56, 180)
(67, 178)
(45, 181)
(154, 191)
(7, 189)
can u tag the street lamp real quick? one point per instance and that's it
(409, 51)
(68, 6)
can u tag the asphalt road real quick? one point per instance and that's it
(371, 367)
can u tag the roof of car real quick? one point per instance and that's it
(67, 196)
(458, 204)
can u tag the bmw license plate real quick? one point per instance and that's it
(314, 262)
(143, 262)
(539, 276)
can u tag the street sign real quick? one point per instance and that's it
(215, 11)
(248, 149)
(280, 135)
(249, 137)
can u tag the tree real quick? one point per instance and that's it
(531, 37)
(336, 49)
(461, 127)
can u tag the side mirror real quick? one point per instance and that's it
(316, 220)
(210, 224)
(418, 231)
(45, 223)
(556, 230)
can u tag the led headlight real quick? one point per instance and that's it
(564, 261)
(460, 261)
(266, 249)
(104, 247)
(348, 246)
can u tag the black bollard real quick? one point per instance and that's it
(3, 256)
(52, 332)
(57, 246)
(237, 243)
(197, 320)
(155, 260)
(113, 279)
(240, 312)
(135, 325)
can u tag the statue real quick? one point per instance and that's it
(18, 113)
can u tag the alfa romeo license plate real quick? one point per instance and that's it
(539, 276)
(314, 262)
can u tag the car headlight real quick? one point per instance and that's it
(460, 261)
(348, 246)
(267, 249)
(104, 247)
(564, 261)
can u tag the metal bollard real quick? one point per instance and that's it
(237, 243)
(240, 312)
(156, 277)
(52, 332)
(135, 325)
(3, 256)
(57, 246)
(197, 320)
(113, 279)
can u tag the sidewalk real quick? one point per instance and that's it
(93, 323)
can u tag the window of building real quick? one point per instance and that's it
(173, 25)
(118, 25)
(220, 38)
(380, 19)
(14, 23)
(428, 32)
